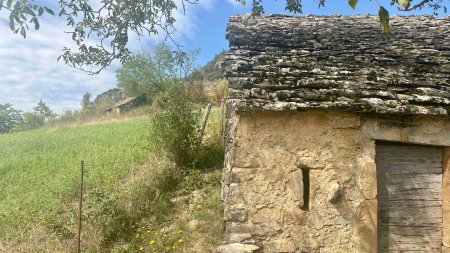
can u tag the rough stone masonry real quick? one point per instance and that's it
(310, 99)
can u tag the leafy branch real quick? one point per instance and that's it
(23, 12)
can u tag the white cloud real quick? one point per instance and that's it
(30, 71)
(185, 26)
(235, 3)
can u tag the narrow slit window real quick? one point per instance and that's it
(306, 184)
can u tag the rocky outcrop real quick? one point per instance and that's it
(108, 99)
(279, 62)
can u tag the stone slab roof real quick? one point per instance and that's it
(279, 62)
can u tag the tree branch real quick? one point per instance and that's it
(417, 6)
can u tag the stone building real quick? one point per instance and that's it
(126, 105)
(337, 135)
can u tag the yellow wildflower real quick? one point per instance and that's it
(141, 248)
(180, 241)
(152, 242)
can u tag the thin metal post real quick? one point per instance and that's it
(80, 207)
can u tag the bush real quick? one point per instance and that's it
(174, 129)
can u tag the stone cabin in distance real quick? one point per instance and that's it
(338, 136)
(126, 105)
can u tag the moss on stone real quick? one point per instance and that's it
(372, 76)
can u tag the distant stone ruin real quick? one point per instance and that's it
(338, 136)
(126, 105)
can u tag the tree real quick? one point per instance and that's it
(9, 118)
(110, 22)
(40, 116)
(68, 115)
(31, 121)
(150, 71)
(86, 104)
(142, 74)
(186, 62)
(43, 112)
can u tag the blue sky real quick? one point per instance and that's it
(29, 70)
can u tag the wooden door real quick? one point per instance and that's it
(409, 181)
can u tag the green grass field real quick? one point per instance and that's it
(39, 170)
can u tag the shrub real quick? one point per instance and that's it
(174, 129)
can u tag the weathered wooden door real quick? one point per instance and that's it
(409, 181)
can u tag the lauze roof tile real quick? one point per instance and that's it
(279, 62)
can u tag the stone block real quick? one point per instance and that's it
(294, 186)
(280, 245)
(338, 248)
(367, 177)
(237, 248)
(295, 217)
(235, 214)
(241, 238)
(347, 122)
(446, 223)
(445, 249)
(308, 161)
(365, 226)
(446, 175)
(245, 158)
(334, 193)
(239, 175)
(236, 194)
(253, 229)
(268, 216)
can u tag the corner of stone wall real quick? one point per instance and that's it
(446, 200)
(231, 122)
(237, 241)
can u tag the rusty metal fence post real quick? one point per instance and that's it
(80, 207)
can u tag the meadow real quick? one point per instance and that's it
(129, 188)
(40, 169)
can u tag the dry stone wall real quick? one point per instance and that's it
(263, 183)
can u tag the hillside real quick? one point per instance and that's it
(40, 169)
(211, 71)
(128, 191)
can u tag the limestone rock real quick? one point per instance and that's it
(245, 238)
(193, 224)
(197, 196)
(295, 186)
(237, 248)
(179, 199)
(236, 214)
(334, 193)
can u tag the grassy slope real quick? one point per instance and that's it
(39, 170)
